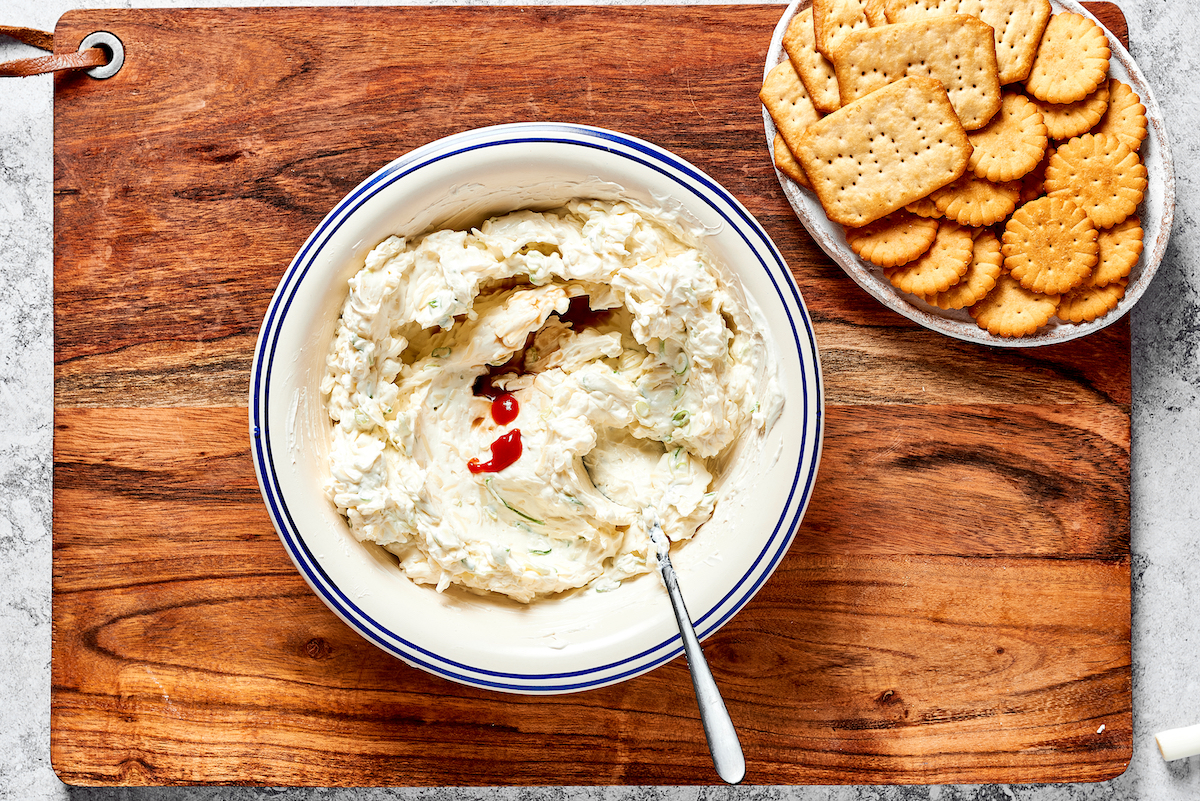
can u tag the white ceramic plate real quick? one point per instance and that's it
(1156, 213)
(579, 640)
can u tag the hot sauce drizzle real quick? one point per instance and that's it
(505, 450)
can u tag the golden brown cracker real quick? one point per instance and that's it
(1011, 144)
(814, 69)
(1067, 120)
(1088, 302)
(884, 151)
(938, 268)
(785, 162)
(1018, 26)
(1050, 245)
(833, 19)
(1032, 182)
(1120, 249)
(1071, 61)
(876, 15)
(893, 240)
(981, 275)
(1011, 310)
(1125, 117)
(1100, 174)
(924, 207)
(973, 201)
(957, 50)
(788, 102)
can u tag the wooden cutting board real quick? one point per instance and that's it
(955, 608)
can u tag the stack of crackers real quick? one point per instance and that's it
(976, 151)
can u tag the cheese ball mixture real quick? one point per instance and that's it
(514, 406)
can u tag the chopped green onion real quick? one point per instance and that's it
(440, 353)
(487, 482)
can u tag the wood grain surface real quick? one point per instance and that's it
(955, 607)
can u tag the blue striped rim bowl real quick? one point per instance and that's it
(578, 640)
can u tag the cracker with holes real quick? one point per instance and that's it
(957, 50)
(833, 19)
(980, 277)
(1012, 144)
(1085, 303)
(924, 208)
(1068, 120)
(1125, 117)
(1100, 174)
(814, 69)
(884, 151)
(788, 102)
(1017, 26)
(940, 267)
(896, 239)
(973, 201)
(1120, 248)
(1033, 182)
(1071, 62)
(1050, 245)
(1011, 310)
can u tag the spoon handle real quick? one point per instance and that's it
(718, 728)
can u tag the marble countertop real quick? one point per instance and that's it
(1166, 439)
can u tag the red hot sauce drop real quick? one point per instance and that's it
(504, 408)
(505, 451)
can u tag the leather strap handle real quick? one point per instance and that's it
(24, 67)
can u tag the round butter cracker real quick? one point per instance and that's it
(1125, 117)
(980, 277)
(1100, 174)
(1011, 310)
(1120, 248)
(973, 201)
(894, 240)
(1066, 120)
(1050, 245)
(1085, 303)
(1011, 144)
(938, 268)
(1071, 61)
(923, 208)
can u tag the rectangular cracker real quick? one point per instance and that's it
(876, 12)
(785, 162)
(1018, 26)
(956, 49)
(813, 68)
(884, 151)
(833, 19)
(791, 109)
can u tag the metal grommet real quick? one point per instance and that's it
(110, 45)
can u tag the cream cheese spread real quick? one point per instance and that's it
(515, 405)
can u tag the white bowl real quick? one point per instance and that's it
(578, 640)
(1156, 211)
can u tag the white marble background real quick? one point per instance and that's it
(1166, 427)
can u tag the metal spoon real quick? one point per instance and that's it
(718, 728)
